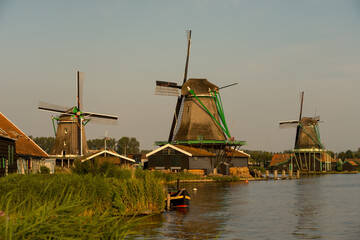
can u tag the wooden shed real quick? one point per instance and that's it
(7, 155)
(180, 157)
(29, 155)
(349, 166)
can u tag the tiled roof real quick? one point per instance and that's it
(355, 160)
(326, 156)
(195, 151)
(23, 144)
(279, 158)
(352, 163)
(235, 153)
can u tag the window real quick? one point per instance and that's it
(65, 130)
(64, 142)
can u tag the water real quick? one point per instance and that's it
(315, 207)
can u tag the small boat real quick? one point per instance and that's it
(179, 199)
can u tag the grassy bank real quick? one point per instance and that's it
(74, 206)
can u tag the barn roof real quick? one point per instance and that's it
(24, 145)
(280, 158)
(235, 153)
(190, 151)
(351, 162)
(94, 154)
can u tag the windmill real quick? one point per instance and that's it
(307, 130)
(70, 138)
(199, 113)
(199, 119)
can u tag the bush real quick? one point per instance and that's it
(44, 170)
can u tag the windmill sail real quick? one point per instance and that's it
(167, 88)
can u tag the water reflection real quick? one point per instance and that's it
(307, 206)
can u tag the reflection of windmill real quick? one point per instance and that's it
(70, 135)
(309, 153)
(199, 119)
(307, 130)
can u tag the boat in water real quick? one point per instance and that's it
(179, 199)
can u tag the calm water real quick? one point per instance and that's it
(319, 207)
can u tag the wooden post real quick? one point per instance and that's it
(283, 174)
(267, 174)
(6, 167)
(275, 174)
(290, 174)
(178, 184)
(133, 170)
(168, 201)
(297, 174)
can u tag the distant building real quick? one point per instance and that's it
(101, 156)
(28, 154)
(349, 166)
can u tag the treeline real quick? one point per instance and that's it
(348, 154)
(124, 145)
(260, 157)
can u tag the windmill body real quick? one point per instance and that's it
(70, 141)
(196, 123)
(308, 136)
(66, 141)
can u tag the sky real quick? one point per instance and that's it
(272, 49)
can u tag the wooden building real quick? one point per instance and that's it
(179, 157)
(28, 154)
(349, 166)
(101, 156)
(7, 155)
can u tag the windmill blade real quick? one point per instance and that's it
(301, 104)
(52, 107)
(101, 118)
(288, 124)
(80, 77)
(167, 88)
(228, 86)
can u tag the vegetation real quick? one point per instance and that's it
(124, 145)
(86, 206)
(46, 143)
(260, 157)
(348, 154)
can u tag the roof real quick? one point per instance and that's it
(280, 158)
(94, 154)
(325, 157)
(24, 145)
(195, 151)
(351, 162)
(236, 153)
(200, 86)
(190, 151)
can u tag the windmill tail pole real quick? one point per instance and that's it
(187, 55)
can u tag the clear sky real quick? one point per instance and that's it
(273, 49)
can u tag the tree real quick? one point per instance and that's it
(126, 145)
(46, 143)
(99, 143)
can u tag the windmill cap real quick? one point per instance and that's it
(308, 121)
(199, 86)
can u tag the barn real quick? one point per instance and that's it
(179, 157)
(28, 154)
(349, 166)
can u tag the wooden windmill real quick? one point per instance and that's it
(199, 119)
(199, 114)
(70, 138)
(307, 130)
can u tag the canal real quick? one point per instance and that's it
(314, 207)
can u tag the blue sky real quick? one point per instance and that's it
(273, 49)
